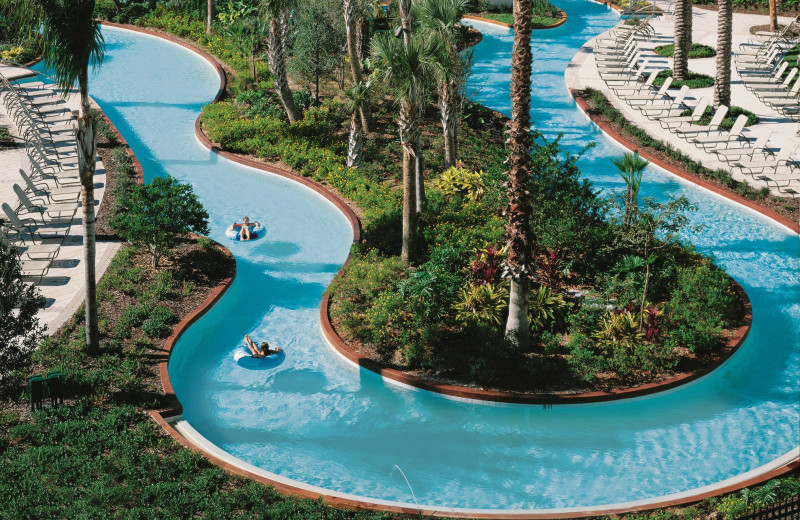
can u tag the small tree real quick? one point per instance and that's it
(20, 331)
(657, 227)
(154, 215)
(319, 41)
(248, 34)
(631, 167)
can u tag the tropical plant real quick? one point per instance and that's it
(545, 308)
(618, 329)
(440, 17)
(318, 41)
(482, 304)
(277, 15)
(657, 226)
(20, 302)
(248, 33)
(486, 267)
(461, 182)
(518, 235)
(155, 215)
(71, 40)
(631, 167)
(352, 11)
(405, 68)
(357, 96)
(722, 81)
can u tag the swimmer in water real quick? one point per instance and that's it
(261, 352)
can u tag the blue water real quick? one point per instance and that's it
(318, 420)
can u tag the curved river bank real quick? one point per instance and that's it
(320, 421)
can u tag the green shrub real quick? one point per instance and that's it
(732, 506)
(104, 9)
(698, 50)
(482, 304)
(157, 323)
(730, 118)
(583, 361)
(546, 310)
(695, 80)
(461, 182)
(701, 305)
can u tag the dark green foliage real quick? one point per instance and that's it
(702, 304)
(157, 324)
(762, 6)
(6, 141)
(155, 215)
(730, 118)
(698, 50)
(319, 40)
(131, 13)
(20, 330)
(696, 80)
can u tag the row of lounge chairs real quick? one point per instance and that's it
(49, 195)
(765, 71)
(630, 73)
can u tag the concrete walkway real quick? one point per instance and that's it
(64, 286)
(583, 73)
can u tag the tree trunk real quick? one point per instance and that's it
(519, 145)
(276, 54)
(644, 291)
(680, 68)
(773, 16)
(404, 7)
(210, 13)
(350, 22)
(419, 170)
(355, 144)
(448, 109)
(688, 19)
(87, 153)
(409, 131)
(363, 40)
(722, 82)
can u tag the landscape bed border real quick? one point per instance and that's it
(161, 416)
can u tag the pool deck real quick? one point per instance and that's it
(582, 72)
(64, 286)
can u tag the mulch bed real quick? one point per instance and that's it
(785, 206)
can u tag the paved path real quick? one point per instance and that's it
(64, 286)
(583, 73)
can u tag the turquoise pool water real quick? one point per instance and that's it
(320, 421)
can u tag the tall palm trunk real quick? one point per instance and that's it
(448, 106)
(350, 24)
(87, 152)
(355, 145)
(680, 68)
(519, 145)
(276, 55)
(409, 134)
(722, 82)
(210, 16)
(363, 39)
(773, 15)
(404, 7)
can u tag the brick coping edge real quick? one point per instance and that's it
(161, 416)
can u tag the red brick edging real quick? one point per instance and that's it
(160, 416)
(562, 19)
(627, 143)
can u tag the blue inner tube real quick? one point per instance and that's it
(255, 232)
(246, 360)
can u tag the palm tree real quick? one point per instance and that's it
(631, 167)
(683, 39)
(351, 12)
(357, 95)
(441, 17)
(246, 34)
(405, 69)
(71, 39)
(518, 234)
(210, 13)
(722, 82)
(773, 15)
(277, 14)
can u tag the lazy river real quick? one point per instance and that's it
(317, 420)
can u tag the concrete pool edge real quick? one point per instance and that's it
(779, 466)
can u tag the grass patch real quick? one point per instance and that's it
(695, 80)
(6, 141)
(538, 21)
(543, 14)
(730, 119)
(698, 50)
(792, 57)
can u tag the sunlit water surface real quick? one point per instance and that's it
(315, 419)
